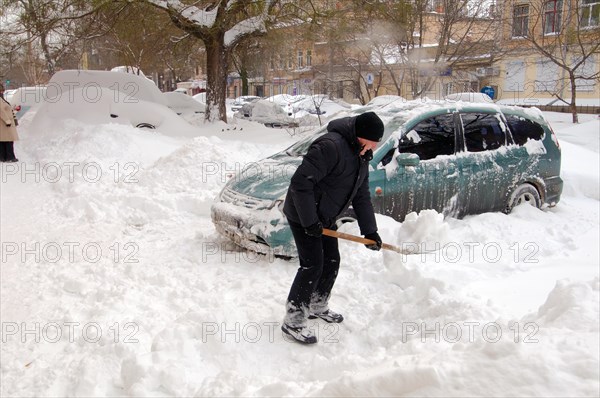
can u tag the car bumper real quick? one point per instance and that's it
(262, 231)
(554, 187)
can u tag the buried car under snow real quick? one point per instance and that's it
(455, 158)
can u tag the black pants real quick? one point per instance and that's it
(319, 265)
(7, 151)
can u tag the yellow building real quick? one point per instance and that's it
(539, 35)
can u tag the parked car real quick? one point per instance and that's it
(127, 86)
(103, 106)
(8, 94)
(240, 101)
(183, 104)
(286, 101)
(319, 104)
(457, 159)
(267, 113)
(200, 97)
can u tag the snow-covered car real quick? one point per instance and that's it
(320, 104)
(130, 86)
(8, 94)
(240, 101)
(129, 69)
(109, 106)
(200, 97)
(456, 159)
(286, 101)
(184, 104)
(266, 112)
(469, 97)
(25, 99)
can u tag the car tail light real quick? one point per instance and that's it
(17, 108)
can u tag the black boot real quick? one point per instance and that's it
(301, 334)
(328, 316)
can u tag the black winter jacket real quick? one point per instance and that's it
(331, 177)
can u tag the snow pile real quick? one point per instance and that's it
(572, 305)
(582, 179)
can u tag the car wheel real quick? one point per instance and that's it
(525, 193)
(145, 126)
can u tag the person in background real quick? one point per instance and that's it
(8, 130)
(333, 175)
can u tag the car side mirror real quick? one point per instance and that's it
(407, 159)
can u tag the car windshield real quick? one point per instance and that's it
(393, 121)
(301, 147)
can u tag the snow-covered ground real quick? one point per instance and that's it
(115, 283)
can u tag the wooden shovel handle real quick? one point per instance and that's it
(358, 239)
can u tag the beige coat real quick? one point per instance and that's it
(8, 130)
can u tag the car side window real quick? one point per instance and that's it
(430, 138)
(523, 129)
(482, 131)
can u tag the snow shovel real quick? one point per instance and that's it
(358, 239)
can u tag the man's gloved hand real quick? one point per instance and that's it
(377, 245)
(367, 156)
(315, 230)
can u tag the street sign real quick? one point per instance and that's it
(7, 83)
(489, 90)
(370, 78)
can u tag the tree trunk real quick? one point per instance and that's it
(573, 105)
(244, 77)
(216, 72)
(47, 56)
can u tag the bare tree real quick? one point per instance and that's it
(153, 43)
(52, 28)
(221, 25)
(563, 35)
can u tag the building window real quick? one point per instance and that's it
(590, 13)
(300, 59)
(308, 58)
(520, 21)
(587, 71)
(290, 60)
(552, 16)
(435, 6)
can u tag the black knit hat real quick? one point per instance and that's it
(369, 126)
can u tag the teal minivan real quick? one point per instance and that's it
(456, 158)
